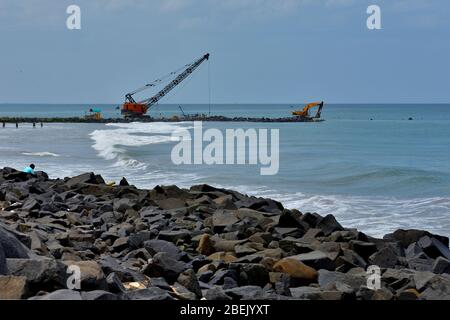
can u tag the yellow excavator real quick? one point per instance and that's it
(304, 113)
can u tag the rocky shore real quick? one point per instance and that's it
(202, 243)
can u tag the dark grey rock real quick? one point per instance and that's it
(420, 263)
(82, 179)
(124, 204)
(12, 247)
(218, 277)
(246, 293)
(229, 283)
(155, 246)
(120, 244)
(422, 278)
(3, 267)
(62, 294)
(137, 239)
(363, 249)
(216, 293)
(438, 288)
(98, 295)
(329, 280)
(123, 182)
(160, 283)
(407, 237)
(328, 225)
(348, 260)
(114, 283)
(315, 259)
(413, 250)
(188, 279)
(255, 274)
(164, 265)
(434, 248)
(441, 265)
(292, 219)
(385, 258)
(41, 273)
(31, 204)
(174, 236)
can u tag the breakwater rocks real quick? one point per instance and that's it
(120, 242)
(151, 119)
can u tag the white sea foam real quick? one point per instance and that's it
(376, 216)
(40, 154)
(110, 143)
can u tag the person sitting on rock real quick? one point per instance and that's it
(30, 169)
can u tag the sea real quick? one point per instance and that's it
(375, 167)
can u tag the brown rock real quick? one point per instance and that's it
(295, 269)
(12, 287)
(205, 245)
(224, 256)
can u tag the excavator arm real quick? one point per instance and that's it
(304, 113)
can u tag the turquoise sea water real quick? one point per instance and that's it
(367, 164)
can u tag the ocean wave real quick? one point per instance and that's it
(111, 143)
(41, 154)
(375, 216)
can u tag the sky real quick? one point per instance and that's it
(262, 51)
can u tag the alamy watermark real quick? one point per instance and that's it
(374, 19)
(74, 280)
(373, 277)
(237, 146)
(73, 21)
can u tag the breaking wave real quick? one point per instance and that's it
(375, 216)
(40, 154)
(111, 143)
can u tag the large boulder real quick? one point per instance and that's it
(155, 246)
(329, 224)
(331, 280)
(315, 259)
(296, 269)
(409, 236)
(11, 246)
(385, 258)
(62, 294)
(41, 273)
(434, 248)
(438, 288)
(92, 276)
(88, 177)
(441, 265)
(164, 265)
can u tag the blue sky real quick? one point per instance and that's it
(262, 51)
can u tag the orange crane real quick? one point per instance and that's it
(133, 109)
(304, 113)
